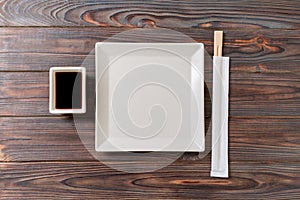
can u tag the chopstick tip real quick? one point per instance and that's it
(218, 43)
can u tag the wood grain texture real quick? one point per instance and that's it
(264, 66)
(165, 13)
(42, 156)
(253, 51)
(55, 138)
(87, 180)
(251, 94)
(48, 138)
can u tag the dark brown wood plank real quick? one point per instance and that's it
(264, 65)
(24, 85)
(180, 180)
(167, 13)
(40, 139)
(251, 94)
(55, 138)
(252, 51)
(29, 44)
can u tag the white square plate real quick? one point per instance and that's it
(149, 97)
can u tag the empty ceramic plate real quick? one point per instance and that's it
(149, 97)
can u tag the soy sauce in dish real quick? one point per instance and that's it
(68, 90)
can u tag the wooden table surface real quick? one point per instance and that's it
(41, 155)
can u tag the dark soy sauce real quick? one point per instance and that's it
(66, 82)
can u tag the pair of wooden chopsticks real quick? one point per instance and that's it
(219, 156)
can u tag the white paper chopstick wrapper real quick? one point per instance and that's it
(219, 160)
